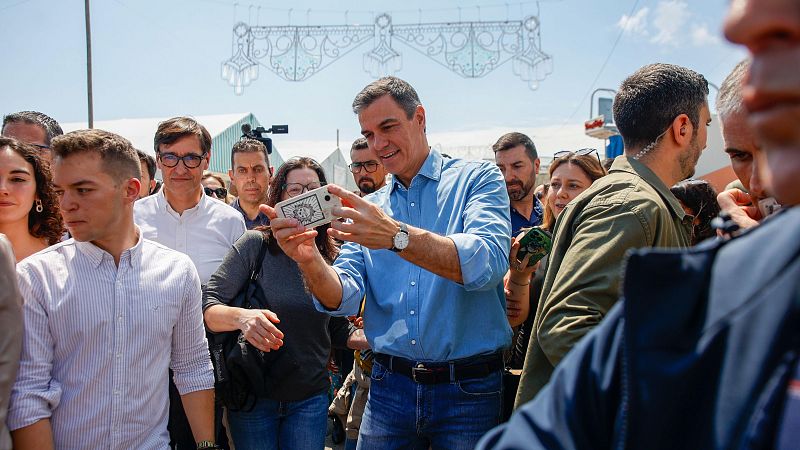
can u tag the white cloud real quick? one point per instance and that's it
(701, 36)
(671, 22)
(635, 24)
(669, 18)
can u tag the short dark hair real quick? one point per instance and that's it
(48, 223)
(359, 144)
(119, 158)
(248, 145)
(515, 139)
(176, 128)
(400, 90)
(49, 125)
(148, 161)
(649, 100)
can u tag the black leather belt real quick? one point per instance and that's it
(441, 372)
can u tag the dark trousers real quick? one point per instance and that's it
(180, 433)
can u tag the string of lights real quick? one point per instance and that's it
(471, 49)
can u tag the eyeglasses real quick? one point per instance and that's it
(191, 161)
(295, 189)
(218, 192)
(580, 152)
(369, 166)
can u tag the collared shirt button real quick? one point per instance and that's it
(411, 312)
(119, 355)
(413, 283)
(412, 203)
(413, 342)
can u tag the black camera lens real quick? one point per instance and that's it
(327, 198)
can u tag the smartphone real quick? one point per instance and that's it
(312, 209)
(537, 242)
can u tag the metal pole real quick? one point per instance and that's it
(89, 64)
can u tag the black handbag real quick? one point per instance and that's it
(242, 372)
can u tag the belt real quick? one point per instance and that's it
(441, 372)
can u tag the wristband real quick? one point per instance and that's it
(514, 282)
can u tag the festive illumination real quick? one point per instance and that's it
(470, 49)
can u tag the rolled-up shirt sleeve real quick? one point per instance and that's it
(35, 393)
(350, 267)
(484, 244)
(190, 360)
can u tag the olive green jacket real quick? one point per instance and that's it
(629, 208)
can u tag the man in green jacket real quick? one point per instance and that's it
(662, 114)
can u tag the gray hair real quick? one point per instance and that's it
(729, 98)
(400, 90)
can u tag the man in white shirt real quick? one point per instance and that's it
(181, 217)
(102, 322)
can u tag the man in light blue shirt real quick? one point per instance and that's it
(429, 250)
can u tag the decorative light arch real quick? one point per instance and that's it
(470, 49)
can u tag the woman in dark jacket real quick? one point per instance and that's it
(294, 414)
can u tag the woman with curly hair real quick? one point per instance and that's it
(29, 213)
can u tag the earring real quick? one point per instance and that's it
(39, 207)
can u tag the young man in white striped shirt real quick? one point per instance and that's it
(106, 314)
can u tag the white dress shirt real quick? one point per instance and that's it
(206, 232)
(99, 339)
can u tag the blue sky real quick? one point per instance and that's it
(155, 58)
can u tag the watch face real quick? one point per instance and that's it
(401, 240)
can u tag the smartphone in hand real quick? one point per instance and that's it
(537, 242)
(312, 209)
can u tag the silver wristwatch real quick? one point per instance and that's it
(400, 240)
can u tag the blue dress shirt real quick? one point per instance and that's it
(409, 311)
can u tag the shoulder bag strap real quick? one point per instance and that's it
(255, 272)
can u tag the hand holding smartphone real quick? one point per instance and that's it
(312, 209)
(536, 242)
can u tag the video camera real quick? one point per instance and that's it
(258, 134)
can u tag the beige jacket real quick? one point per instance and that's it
(10, 333)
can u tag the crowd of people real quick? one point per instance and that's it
(184, 313)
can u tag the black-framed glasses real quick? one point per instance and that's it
(191, 161)
(295, 189)
(369, 166)
(579, 152)
(220, 193)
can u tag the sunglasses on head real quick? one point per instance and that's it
(580, 152)
(216, 192)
